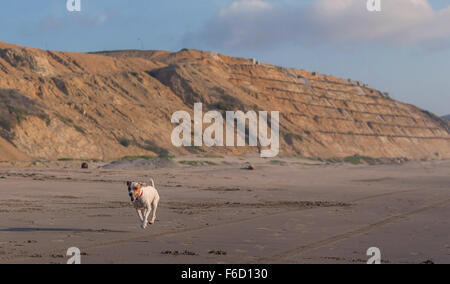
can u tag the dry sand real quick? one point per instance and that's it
(284, 211)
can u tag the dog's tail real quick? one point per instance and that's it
(152, 182)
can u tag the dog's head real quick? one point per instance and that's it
(134, 189)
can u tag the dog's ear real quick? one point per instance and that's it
(128, 183)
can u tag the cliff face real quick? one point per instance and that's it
(111, 104)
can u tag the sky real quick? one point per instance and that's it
(404, 49)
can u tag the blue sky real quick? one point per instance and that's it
(403, 50)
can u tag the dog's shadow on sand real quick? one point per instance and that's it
(72, 230)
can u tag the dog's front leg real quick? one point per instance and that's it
(146, 214)
(139, 212)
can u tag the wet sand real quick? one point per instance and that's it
(284, 211)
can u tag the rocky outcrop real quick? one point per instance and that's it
(10, 153)
(112, 104)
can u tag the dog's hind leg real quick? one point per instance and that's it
(155, 206)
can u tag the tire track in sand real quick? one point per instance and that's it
(348, 235)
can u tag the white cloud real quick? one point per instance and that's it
(245, 7)
(259, 24)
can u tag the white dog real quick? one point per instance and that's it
(145, 198)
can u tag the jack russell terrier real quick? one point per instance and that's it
(145, 198)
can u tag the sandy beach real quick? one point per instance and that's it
(284, 211)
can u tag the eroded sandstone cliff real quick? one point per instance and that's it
(112, 104)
